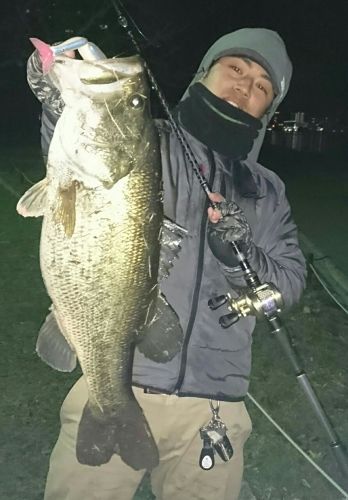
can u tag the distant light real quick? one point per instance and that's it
(103, 26)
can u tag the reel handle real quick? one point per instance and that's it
(229, 319)
(216, 302)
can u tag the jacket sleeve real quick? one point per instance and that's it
(275, 254)
(50, 97)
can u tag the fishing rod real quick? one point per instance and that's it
(262, 300)
(123, 22)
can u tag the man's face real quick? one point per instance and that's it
(242, 83)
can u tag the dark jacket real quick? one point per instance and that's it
(215, 362)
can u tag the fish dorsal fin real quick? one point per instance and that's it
(65, 212)
(34, 201)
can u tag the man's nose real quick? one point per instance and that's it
(244, 86)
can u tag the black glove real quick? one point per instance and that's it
(232, 227)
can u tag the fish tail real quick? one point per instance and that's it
(126, 434)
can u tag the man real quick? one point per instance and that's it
(239, 84)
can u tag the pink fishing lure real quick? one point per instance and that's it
(45, 52)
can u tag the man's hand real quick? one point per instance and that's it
(70, 53)
(227, 224)
(215, 215)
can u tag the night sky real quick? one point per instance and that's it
(177, 35)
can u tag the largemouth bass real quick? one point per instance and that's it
(100, 247)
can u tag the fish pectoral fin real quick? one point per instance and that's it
(33, 202)
(53, 348)
(65, 212)
(171, 237)
(162, 337)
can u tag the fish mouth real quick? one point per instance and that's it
(102, 72)
(103, 79)
(105, 74)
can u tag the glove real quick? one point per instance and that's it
(232, 227)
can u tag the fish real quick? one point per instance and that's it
(100, 248)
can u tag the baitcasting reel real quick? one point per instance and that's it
(261, 300)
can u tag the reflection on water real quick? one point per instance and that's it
(305, 140)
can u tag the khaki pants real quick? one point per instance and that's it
(175, 424)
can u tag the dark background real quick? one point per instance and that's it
(178, 33)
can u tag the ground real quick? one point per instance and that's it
(32, 392)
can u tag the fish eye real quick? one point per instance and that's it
(136, 101)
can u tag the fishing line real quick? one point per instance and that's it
(326, 288)
(9, 188)
(150, 42)
(297, 447)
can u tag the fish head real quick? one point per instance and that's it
(99, 80)
(112, 90)
(109, 101)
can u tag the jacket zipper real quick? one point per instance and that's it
(199, 276)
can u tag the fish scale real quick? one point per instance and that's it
(106, 272)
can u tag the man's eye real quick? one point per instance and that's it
(235, 68)
(262, 88)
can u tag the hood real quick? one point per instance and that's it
(266, 48)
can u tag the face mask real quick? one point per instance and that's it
(220, 126)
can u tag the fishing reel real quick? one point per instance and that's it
(263, 300)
